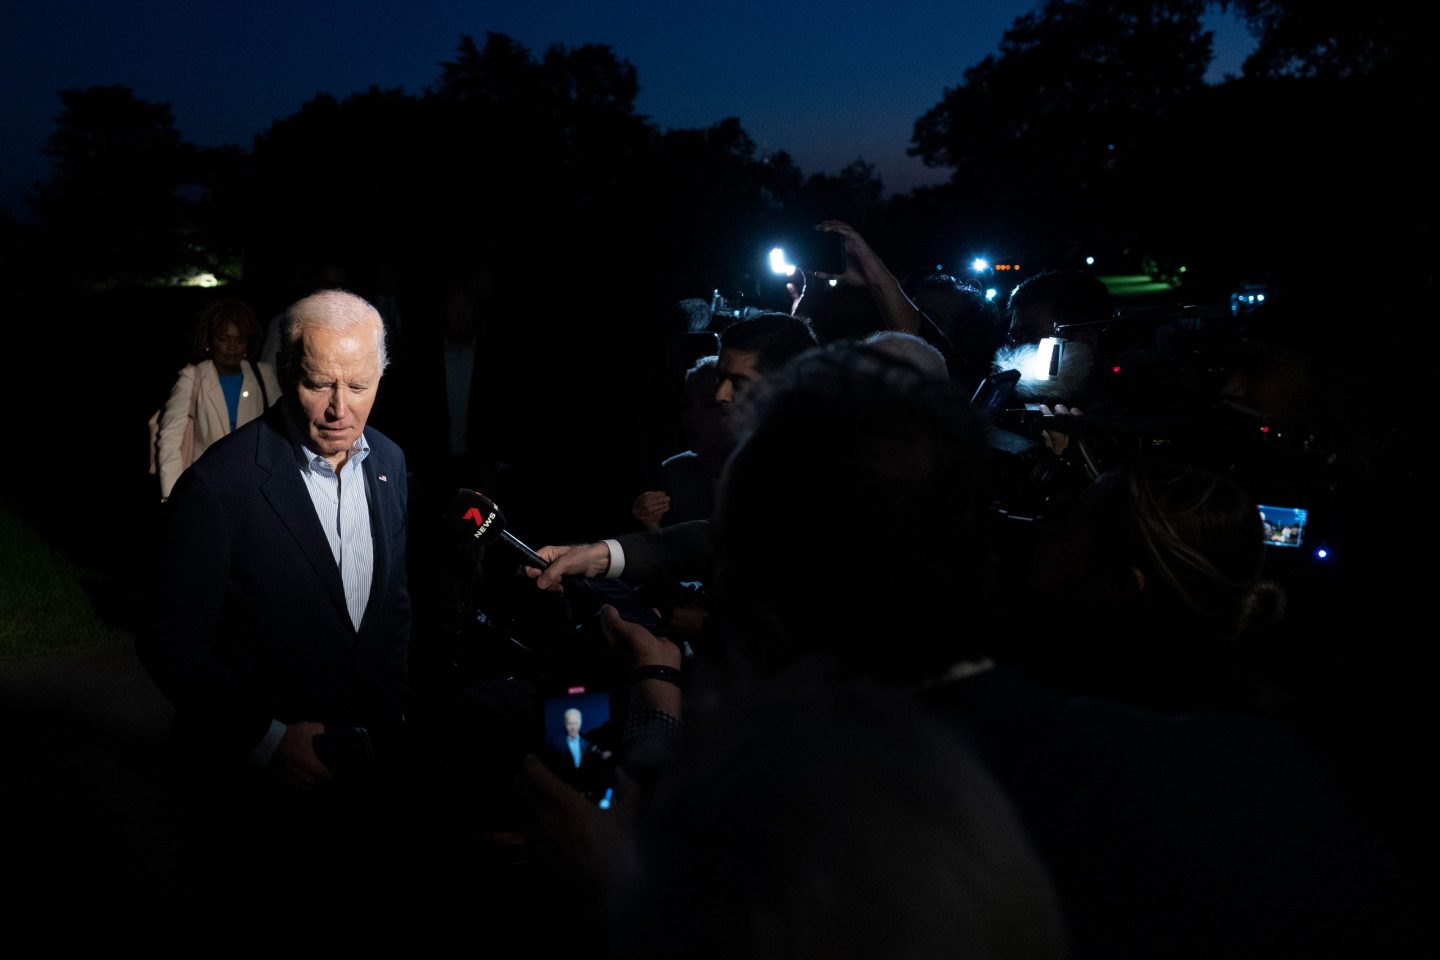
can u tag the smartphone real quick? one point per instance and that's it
(995, 391)
(1284, 526)
(580, 739)
(587, 595)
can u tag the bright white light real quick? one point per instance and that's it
(1252, 298)
(1089, 261)
(779, 264)
(991, 293)
(1260, 297)
(202, 280)
(1322, 553)
(834, 282)
(1038, 367)
(979, 264)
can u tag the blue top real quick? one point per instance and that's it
(231, 386)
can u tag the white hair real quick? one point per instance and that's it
(910, 349)
(337, 310)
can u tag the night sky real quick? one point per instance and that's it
(826, 81)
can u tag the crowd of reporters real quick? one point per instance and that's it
(938, 672)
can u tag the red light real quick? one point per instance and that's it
(1265, 429)
(571, 691)
(1115, 369)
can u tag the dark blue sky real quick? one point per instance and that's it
(826, 81)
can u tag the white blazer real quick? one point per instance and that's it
(212, 418)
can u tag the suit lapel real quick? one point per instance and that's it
(381, 504)
(287, 496)
(212, 398)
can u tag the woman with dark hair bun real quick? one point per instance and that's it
(217, 394)
(1148, 583)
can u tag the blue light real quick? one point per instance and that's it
(991, 293)
(1322, 554)
(979, 264)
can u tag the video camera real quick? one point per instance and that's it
(1152, 388)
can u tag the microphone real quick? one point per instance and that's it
(482, 520)
(478, 515)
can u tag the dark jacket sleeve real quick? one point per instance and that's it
(178, 642)
(685, 551)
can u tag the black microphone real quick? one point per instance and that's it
(478, 515)
(482, 520)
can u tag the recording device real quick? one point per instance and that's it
(1284, 526)
(586, 762)
(724, 312)
(994, 392)
(484, 523)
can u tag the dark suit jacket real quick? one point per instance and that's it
(248, 622)
(685, 551)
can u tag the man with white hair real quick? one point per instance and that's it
(282, 607)
(281, 622)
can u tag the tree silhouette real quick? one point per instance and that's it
(1332, 38)
(1039, 135)
(112, 205)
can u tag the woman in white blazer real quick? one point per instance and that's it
(220, 393)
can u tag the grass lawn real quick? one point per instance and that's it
(44, 605)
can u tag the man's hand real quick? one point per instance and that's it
(581, 560)
(863, 268)
(636, 645)
(294, 761)
(1058, 442)
(649, 507)
(641, 648)
(584, 841)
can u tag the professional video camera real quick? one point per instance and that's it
(1150, 384)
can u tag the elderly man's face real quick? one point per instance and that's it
(572, 723)
(339, 374)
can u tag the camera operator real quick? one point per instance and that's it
(1039, 307)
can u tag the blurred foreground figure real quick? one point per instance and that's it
(835, 824)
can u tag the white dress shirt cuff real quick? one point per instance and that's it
(617, 559)
(265, 749)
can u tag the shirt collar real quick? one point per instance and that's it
(359, 450)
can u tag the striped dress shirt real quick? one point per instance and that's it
(344, 511)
